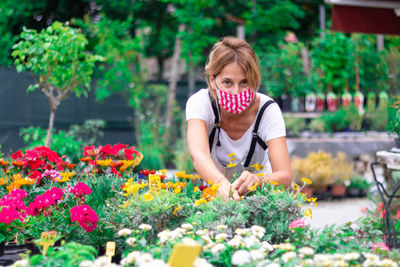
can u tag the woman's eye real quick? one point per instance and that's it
(227, 82)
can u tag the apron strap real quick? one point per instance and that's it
(256, 137)
(216, 125)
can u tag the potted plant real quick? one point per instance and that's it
(394, 125)
(342, 173)
(357, 187)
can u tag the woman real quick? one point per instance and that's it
(232, 129)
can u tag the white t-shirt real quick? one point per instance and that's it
(271, 126)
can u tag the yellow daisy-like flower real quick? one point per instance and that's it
(308, 213)
(231, 155)
(306, 180)
(231, 165)
(126, 164)
(260, 174)
(104, 163)
(163, 171)
(125, 205)
(257, 166)
(148, 197)
(210, 182)
(177, 208)
(65, 176)
(295, 187)
(196, 189)
(274, 182)
(180, 174)
(253, 187)
(197, 176)
(233, 159)
(3, 181)
(177, 190)
(200, 201)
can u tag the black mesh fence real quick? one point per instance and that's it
(20, 109)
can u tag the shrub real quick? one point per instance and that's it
(295, 124)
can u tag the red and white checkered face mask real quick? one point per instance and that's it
(235, 103)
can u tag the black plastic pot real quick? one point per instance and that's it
(2, 248)
(353, 192)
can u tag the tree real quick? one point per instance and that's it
(58, 62)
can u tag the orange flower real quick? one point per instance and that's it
(3, 163)
(18, 163)
(116, 164)
(71, 166)
(86, 159)
(209, 193)
(3, 181)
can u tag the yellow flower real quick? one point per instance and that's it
(65, 176)
(126, 204)
(308, 213)
(233, 159)
(126, 164)
(3, 181)
(210, 182)
(163, 171)
(148, 197)
(230, 165)
(231, 155)
(197, 176)
(104, 163)
(257, 166)
(274, 182)
(176, 209)
(196, 189)
(253, 187)
(180, 174)
(177, 190)
(306, 180)
(295, 187)
(260, 174)
(200, 201)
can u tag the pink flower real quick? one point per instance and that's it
(10, 214)
(85, 216)
(290, 38)
(298, 223)
(81, 189)
(380, 247)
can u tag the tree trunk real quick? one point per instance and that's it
(50, 130)
(172, 84)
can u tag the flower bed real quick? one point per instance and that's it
(106, 198)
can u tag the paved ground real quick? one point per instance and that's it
(338, 211)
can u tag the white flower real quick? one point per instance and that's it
(102, 261)
(241, 257)
(20, 263)
(250, 242)
(241, 231)
(371, 263)
(273, 264)
(177, 233)
(221, 237)
(338, 256)
(130, 258)
(340, 263)
(308, 262)
(144, 258)
(258, 231)
(322, 257)
(257, 254)
(352, 256)
(209, 245)
(200, 232)
(371, 257)
(222, 227)
(284, 246)
(188, 241)
(235, 242)
(124, 232)
(131, 241)
(86, 263)
(164, 236)
(388, 263)
(200, 262)
(287, 256)
(153, 263)
(267, 246)
(306, 251)
(187, 226)
(206, 238)
(145, 227)
(218, 248)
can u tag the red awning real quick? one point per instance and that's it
(376, 17)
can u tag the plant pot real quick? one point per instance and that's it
(338, 190)
(2, 248)
(321, 192)
(286, 103)
(362, 193)
(397, 142)
(353, 192)
(308, 191)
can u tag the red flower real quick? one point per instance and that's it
(202, 187)
(89, 151)
(35, 164)
(147, 172)
(380, 207)
(114, 171)
(81, 189)
(17, 155)
(37, 175)
(129, 153)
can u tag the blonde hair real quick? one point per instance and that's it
(228, 50)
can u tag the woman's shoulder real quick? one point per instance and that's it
(200, 95)
(264, 98)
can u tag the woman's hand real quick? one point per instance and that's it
(246, 181)
(225, 188)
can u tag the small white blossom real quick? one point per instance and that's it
(200, 262)
(131, 241)
(273, 264)
(257, 254)
(124, 232)
(250, 242)
(188, 241)
(352, 256)
(20, 263)
(306, 251)
(86, 263)
(209, 245)
(241, 231)
(371, 257)
(102, 261)
(187, 226)
(388, 263)
(164, 236)
(218, 248)
(338, 256)
(222, 227)
(284, 246)
(153, 263)
(241, 257)
(221, 237)
(287, 256)
(258, 231)
(234, 242)
(200, 232)
(267, 246)
(206, 238)
(145, 227)
(371, 263)
(144, 258)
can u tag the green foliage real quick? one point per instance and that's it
(69, 143)
(333, 60)
(57, 57)
(394, 125)
(318, 125)
(344, 118)
(295, 124)
(377, 120)
(359, 182)
(70, 254)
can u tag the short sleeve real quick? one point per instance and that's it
(198, 106)
(272, 124)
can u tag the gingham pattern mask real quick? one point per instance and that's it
(235, 103)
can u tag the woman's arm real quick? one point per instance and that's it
(280, 164)
(200, 153)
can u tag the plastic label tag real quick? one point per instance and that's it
(184, 255)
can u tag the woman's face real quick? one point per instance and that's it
(232, 79)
